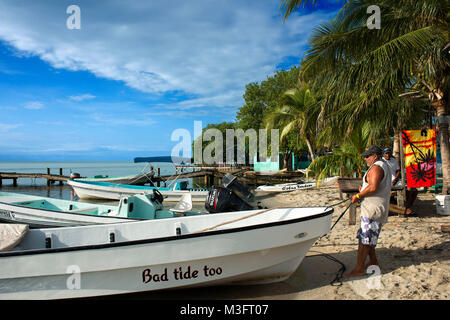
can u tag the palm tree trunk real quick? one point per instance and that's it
(396, 147)
(311, 152)
(445, 151)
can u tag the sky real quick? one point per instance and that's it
(135, 71)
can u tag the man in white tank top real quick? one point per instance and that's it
(374, 196)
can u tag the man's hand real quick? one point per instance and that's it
(354, 198)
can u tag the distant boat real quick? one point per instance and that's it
(113, 191)
(287, 187)
(244, 247)
(139, 179)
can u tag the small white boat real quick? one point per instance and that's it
(42, 212)
(139, 179)
(112, 191)
(251, 247)
(286, 187)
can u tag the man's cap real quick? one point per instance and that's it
(387, 150)
(372, 150)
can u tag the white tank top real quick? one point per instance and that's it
(376, 205)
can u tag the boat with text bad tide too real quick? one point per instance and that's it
(113, 191)
(238, 247)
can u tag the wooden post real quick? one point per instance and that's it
(60, 173)
(158, 183)
(352, 215)
(401, 195)
(48, 178)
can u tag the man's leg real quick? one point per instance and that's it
(360, 268)
(411, 195)
(372, 258)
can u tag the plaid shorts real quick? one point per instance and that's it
(369, 231)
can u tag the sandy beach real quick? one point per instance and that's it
(414, 256)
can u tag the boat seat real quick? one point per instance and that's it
(184, 205)
(81, 210)
(11, 235)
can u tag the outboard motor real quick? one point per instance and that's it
(231, 182)
(74, 175)
(233, 196)
(222, 199)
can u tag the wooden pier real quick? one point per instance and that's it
(48, 176)
(243, 173)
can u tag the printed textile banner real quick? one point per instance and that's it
(419, 149)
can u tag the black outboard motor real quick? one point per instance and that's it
(222, 199)
(231, 182)
(74, 175)
(233, 196)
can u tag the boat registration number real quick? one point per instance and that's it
(7, 214)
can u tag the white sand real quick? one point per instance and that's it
(413, 253)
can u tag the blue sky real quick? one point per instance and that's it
(135, 71)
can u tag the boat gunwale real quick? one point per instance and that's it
(169, 238)
(68, 212)
(118, 187)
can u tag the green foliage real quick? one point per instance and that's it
(346, 158)
(260, 99)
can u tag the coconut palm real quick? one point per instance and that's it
(365, 70)
(298, 113)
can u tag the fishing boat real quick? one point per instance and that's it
(139, 179)
(113, 191)
(287, 187)
(42, 212)
(241, 247)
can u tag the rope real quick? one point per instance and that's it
(143, 173)
(342, 214)
(241, 218)
(263, 211)
(337, 280)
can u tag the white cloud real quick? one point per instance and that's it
(34, 105)
(7, 127)
(82, 97)
(208, 49)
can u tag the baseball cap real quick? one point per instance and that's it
(387, 150)
(372, 150)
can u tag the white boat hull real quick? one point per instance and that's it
(287, 187)
(40, 218)
(139, 179)
(260, 249)
(19, 208)
(85, 191)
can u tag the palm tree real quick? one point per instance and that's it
(296, 114)
(365, 70)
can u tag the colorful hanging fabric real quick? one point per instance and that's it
(419, 148)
